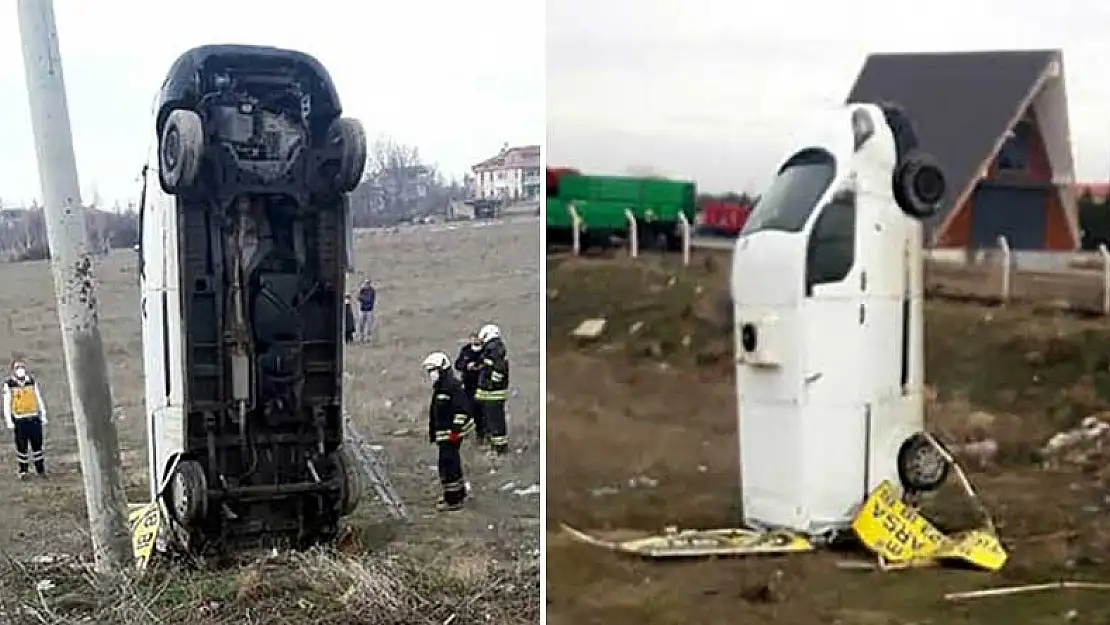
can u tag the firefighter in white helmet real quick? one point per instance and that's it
(493, 387)
(25, 413)
(449, 422)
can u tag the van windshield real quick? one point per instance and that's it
(787, 204)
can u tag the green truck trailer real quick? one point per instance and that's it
(601, 202)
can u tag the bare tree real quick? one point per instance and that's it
(399, 185)
(23, 231)
(398, 173)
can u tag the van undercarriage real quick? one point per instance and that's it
(258, 164)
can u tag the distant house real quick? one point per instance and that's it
(998, 123)
(514, 174)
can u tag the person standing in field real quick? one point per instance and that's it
(493, 388)
(25, 414)
(367, 297)
(469, 365)
(448, 424)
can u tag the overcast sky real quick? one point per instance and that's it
(455, 79)
(709, 89)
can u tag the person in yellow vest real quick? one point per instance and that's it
(25, 413)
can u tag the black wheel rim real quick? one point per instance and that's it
(171, 148)
(928, 184)
(926, 465)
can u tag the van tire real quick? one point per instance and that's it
(919, 185)
(350, 481)
(921, 466)
(180, 148)
(187, 494)
(349, 134)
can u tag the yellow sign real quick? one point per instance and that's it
(699, 543)
(978, 547)
(898, 533)
(145, 521)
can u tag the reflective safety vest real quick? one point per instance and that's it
(25, 401)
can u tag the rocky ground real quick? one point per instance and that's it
(435, 284)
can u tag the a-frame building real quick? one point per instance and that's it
(998, 123)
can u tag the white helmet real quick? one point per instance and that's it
(489, 332)
(436, 360)
(435, 363)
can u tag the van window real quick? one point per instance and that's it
(791, 198)
(831, 250)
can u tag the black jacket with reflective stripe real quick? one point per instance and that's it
(494, 374)
(449, 408)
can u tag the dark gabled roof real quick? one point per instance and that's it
(960, 102)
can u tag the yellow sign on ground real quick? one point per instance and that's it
(977, 547)
(884, 524)
(898, 533)
(697, 543)
(145, 520)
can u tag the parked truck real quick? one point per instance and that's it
(723, 217)
(602, 203)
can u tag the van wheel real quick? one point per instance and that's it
(921, 466)
(351, 137)
(179, 151)
(188, 493)
(350, 481)
(919, 185)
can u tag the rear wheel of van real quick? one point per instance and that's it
(179, 151)
(350, 485)
(921, 466)
(188, 493)
(351, 137)
(919, 185)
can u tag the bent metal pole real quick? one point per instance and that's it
(75, 288)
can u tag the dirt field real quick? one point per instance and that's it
(641, 433)
(435, 284)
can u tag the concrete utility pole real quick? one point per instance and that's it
(75, 288)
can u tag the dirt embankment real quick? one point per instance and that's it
(641, 433)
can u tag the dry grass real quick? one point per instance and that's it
(317, 586)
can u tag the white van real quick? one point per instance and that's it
(244, 250)
(827, 290)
